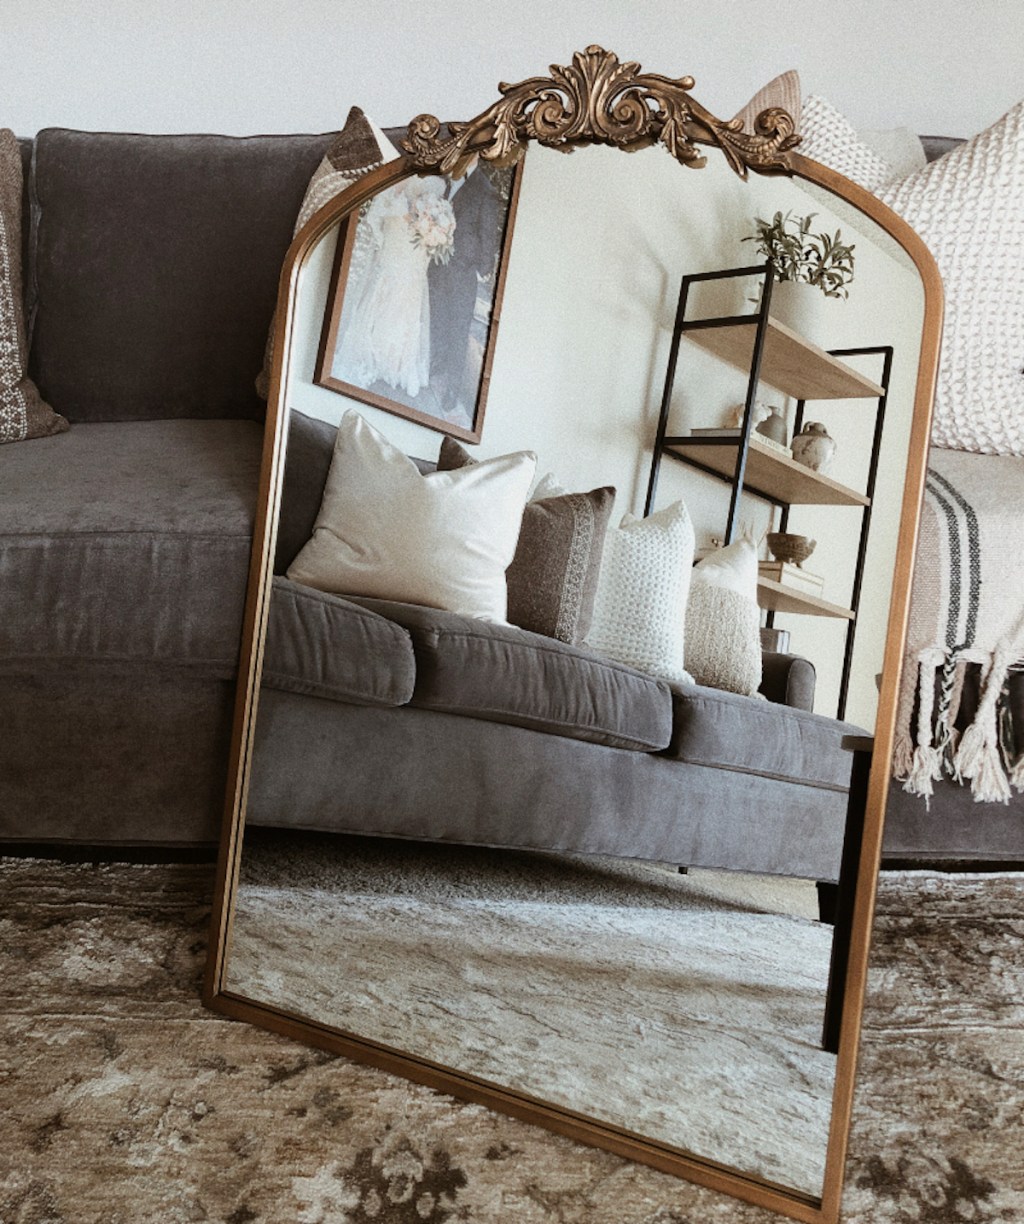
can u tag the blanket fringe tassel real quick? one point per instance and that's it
(978, 756)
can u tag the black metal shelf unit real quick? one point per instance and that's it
(675, 447)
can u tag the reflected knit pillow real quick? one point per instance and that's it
(968, 206)
(640, 610)
(23, 414)
(385, 530)
(552, 580)
(723, 621)
(357, 149)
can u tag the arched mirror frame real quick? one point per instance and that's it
(596, 100)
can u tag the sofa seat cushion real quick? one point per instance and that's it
(324, 646)
(128, 541)
(504, 674)
(748, 735)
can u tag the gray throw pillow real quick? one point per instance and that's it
(23, 414)
(552, 580)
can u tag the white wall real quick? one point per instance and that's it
(243, 66)
(600, 244)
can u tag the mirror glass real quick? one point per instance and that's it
(427, 880)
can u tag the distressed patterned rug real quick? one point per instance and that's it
(125, 1103)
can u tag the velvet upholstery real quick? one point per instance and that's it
(128, 541)
(112, 753)
(426, 774)
(509, 675)
(325, 646)
(732, 732)
(308, 456)
(788, 680)
(156, 266)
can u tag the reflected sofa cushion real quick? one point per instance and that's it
(128, 541)
(324, 646)
(729, 731)
(552, 581)
(505, 674)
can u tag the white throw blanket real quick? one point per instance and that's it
(967, 607)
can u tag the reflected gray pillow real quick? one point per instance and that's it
(552, 580)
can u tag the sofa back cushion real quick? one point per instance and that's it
(156, 261)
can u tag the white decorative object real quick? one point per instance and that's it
(761, 412)
(640, 609)
(385, 530)
(969, 208)
(800, 307)
(829, 138)
(814, 448)
(723, 621)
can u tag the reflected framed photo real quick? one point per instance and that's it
(415, 298)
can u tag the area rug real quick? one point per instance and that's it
(685, 1007)
(125, 1103)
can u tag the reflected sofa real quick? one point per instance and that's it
(151, 268)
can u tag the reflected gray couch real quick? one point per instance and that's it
(398, 720)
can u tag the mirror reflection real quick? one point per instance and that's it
(590, 853)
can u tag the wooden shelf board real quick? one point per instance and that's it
(789, 363)
(768, 471)
(779, 598)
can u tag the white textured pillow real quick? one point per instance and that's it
(723, 621)
(387, 531)
(829, 138)
(900, 147)
(969, 208)
(640, 609)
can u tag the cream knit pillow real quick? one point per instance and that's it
(723, 640)
(969, 208)
(387, 531)
(640, 609)
(829, 138)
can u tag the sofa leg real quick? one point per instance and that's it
(684, 871)
(828, 895)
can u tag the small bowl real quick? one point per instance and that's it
(785, 546)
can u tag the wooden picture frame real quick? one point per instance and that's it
(434, 365)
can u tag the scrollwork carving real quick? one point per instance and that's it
(599, 100)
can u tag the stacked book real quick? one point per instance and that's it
(788, 574)
(758, 439)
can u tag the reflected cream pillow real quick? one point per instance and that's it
(723, 621)
(640, 609)
(385, 530)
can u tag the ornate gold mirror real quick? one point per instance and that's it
(505, 863)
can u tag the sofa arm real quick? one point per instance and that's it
(788, 680)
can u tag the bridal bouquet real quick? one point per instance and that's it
(432, 222)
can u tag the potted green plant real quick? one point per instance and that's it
(805, 264)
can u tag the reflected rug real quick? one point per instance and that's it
(125, 1103)
(685, 1007)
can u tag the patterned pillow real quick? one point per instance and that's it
(357, 149)
(23, 414)
(640, 610)
(969, 208)
(830, 139)
(552, 581)
(723, 637)
(783, 92)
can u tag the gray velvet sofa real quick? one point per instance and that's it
(151, 272)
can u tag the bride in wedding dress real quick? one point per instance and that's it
(388, 335)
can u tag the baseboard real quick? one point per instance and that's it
(79, 852)
(952, 865)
